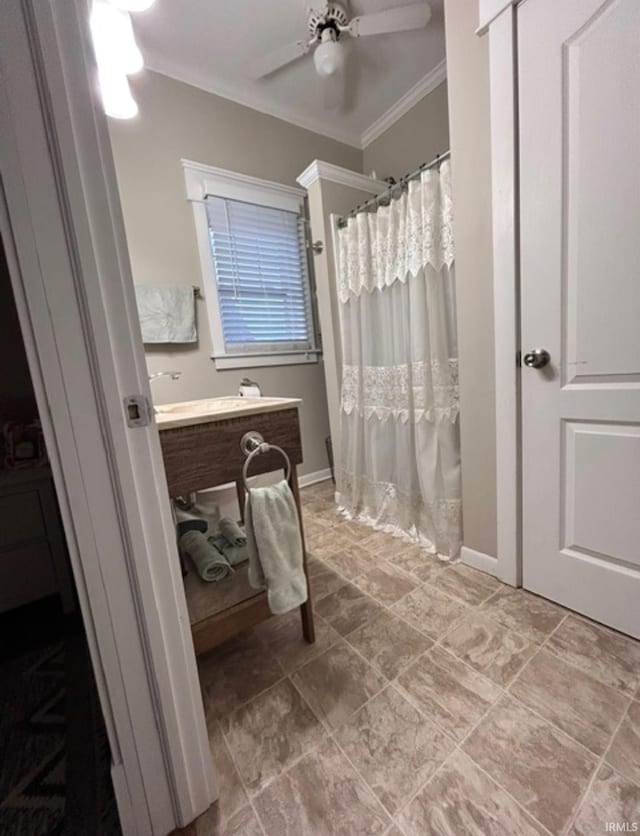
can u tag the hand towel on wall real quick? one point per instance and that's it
(167, 314)
(275, 546)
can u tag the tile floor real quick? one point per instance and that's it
(434, 701)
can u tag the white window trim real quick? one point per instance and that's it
(202, 180)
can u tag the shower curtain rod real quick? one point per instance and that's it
(387, 196)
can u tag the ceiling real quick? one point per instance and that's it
(210, 43)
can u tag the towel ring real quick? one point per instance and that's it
(252, 444)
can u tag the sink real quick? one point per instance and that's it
(186, 413)
(209, 406)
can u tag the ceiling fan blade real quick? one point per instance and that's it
(277, 59)
(400, 19)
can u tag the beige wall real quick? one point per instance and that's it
(468, 77)
(414, 139)
(179, 121)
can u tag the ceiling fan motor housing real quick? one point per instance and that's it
(332, 17)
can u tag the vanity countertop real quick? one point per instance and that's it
(188, 413)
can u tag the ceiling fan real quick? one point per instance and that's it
(327, 29)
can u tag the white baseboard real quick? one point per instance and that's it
(479, 560)
(312, 478)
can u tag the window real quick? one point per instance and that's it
(252, 246)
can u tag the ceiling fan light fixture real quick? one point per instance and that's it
(329, 55)
(114, 40)
(116, 95)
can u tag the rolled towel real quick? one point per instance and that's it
(232, 532)
(275, 546)
(234, 554)
(209, 562)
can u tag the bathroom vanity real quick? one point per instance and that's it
(201, 449)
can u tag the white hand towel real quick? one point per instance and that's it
(167, 314)
(275, 546)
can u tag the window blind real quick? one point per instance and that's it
(261, 276)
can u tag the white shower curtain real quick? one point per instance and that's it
(398, 467)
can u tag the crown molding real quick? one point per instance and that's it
(422, 88)
(318, 125)
(254, 101)
(320, 170)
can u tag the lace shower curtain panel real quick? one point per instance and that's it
(398, 467)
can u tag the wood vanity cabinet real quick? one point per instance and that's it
(203, 455)
(200, 456)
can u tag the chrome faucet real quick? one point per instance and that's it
(172, 375)
(156, 375)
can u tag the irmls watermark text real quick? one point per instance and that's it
(621, 826)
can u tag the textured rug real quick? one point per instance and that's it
(32, 740)
(55, 754)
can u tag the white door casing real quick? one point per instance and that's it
(61, 226)
(579, 76)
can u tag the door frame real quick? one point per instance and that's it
(62, 229)
(497, 22)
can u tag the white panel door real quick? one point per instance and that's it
(579, 86)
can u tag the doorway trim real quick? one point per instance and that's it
(62, 229)
(497, 19)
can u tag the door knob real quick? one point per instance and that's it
(536, 359)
